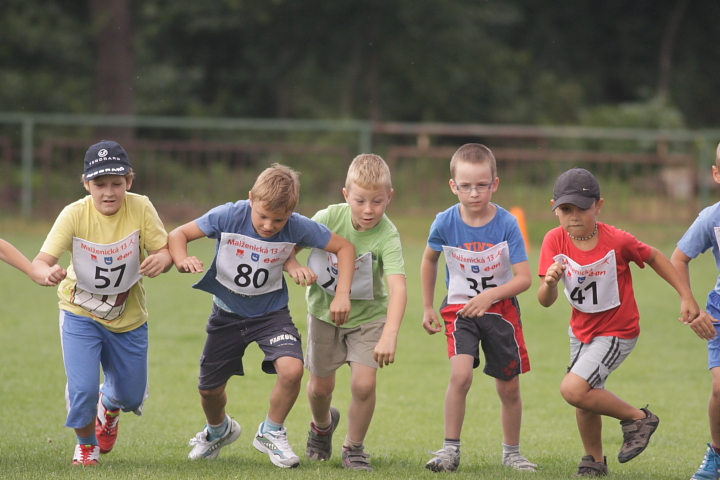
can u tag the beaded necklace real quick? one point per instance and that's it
(582, 239)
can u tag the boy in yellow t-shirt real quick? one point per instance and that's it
(114, 239)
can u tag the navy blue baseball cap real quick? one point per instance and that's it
(106, 158)
(578, 187)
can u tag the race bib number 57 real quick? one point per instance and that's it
(105, 274)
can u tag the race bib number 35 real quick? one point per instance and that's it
(473, 272)
(249, 266)
(591, 288)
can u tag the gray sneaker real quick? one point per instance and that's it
(204, 448)
(355, 458)
(518, 462)
(590, 468)
(636, 435)
(319, 447)
(447, 459)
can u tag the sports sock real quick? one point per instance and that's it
(452, 442)
(108, 404)
(323, 426)
(510, 449)
(89, 440)
(321, 431)
(352, 443)
(716, 449)
(217, 431)
(270, 426)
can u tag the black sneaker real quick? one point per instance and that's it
(636, 435)
(588, 467)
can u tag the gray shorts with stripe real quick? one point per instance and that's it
(594, 361)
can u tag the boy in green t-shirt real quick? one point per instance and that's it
(369, 338)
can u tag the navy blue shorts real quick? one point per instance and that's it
(228, 335)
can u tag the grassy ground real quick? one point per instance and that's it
(667, 370)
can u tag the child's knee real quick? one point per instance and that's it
(461, 380)
(289, 372)
(363, 388)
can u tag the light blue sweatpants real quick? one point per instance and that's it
(86, 345)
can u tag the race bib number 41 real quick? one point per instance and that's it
(591, 288)
(249, 266)
(471, 273)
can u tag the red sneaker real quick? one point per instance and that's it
(86, 455)
(106, 427)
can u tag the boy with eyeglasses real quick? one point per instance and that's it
(486, 268)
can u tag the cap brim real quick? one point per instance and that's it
(107, 170)
(577, 200)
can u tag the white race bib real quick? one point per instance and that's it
(591, 288)
(324, 264)
(249, 266)
(717, 234)
(474, 272)
(105, 274)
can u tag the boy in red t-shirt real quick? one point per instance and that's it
(593, 261)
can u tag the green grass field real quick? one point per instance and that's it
(667, 370)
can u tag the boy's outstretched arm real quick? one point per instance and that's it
(301, 275)
(703, 324)
(548, 291)
(177, 244)
(384, 353)
(45, 271)
(157, 262)
(689, 309)
(12, 256)
(345, 252)
(428, 276)
(520, 282)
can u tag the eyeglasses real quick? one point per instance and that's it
(483, 187)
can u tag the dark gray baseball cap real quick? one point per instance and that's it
(106, 158)
(576, 186)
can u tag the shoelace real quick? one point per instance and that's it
(444, 455)
(280, 439)
(85, 452)
(200, 437)
(110, 423)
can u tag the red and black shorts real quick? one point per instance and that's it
(499, 332)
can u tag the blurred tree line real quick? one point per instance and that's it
(645, 63)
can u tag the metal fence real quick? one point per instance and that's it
(185, 162)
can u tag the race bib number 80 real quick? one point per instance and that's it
(249, 266)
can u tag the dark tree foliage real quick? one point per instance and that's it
(496, 61)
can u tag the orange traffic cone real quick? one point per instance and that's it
(518, 213)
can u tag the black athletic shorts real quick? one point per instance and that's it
(228, 335)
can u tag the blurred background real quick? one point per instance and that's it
(205, 94)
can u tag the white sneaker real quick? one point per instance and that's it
(86, 455)
(276, 445)
(518, 462)
(202, 448)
